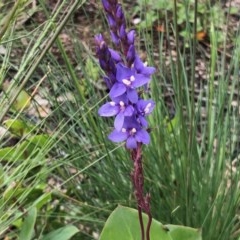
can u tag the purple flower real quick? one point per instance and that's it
(144, 108)
(131, 132)
(142, 68)
(120, 108)
(127, 81)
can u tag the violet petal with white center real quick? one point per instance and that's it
(140, 80)
(118, 136)
(142, 136)
(108, 110)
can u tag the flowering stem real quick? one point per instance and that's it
(125, 74)
(138, 183)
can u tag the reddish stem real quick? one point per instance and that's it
(148, 226)
(138, 183)
(141, 222)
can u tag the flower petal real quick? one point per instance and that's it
(130, 36)
(117, 90)
(140, 80)
(131, 54)
(131, 142)
(148, 71)
(106, 5)
(142, 136)
(130, 122)
(143, 121)
(129, 111)
(111, 21)
(115, 38)
(138, 64)
(141, 68)
(132, 95)
(123, 72)
(118, 122)
(115, 55)
(117, 136)
(108, 110)
(98, 39)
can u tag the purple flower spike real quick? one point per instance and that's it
(125, 73)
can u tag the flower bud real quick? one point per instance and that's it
(131, 36)
(115, 38)
(131, 55)
(106, 5)
(111, 21)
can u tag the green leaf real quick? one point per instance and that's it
(63, 233)
(123, 224)
(184, 233)
(28, 225)
(18, 127)
(22, 101)
(11, 154)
